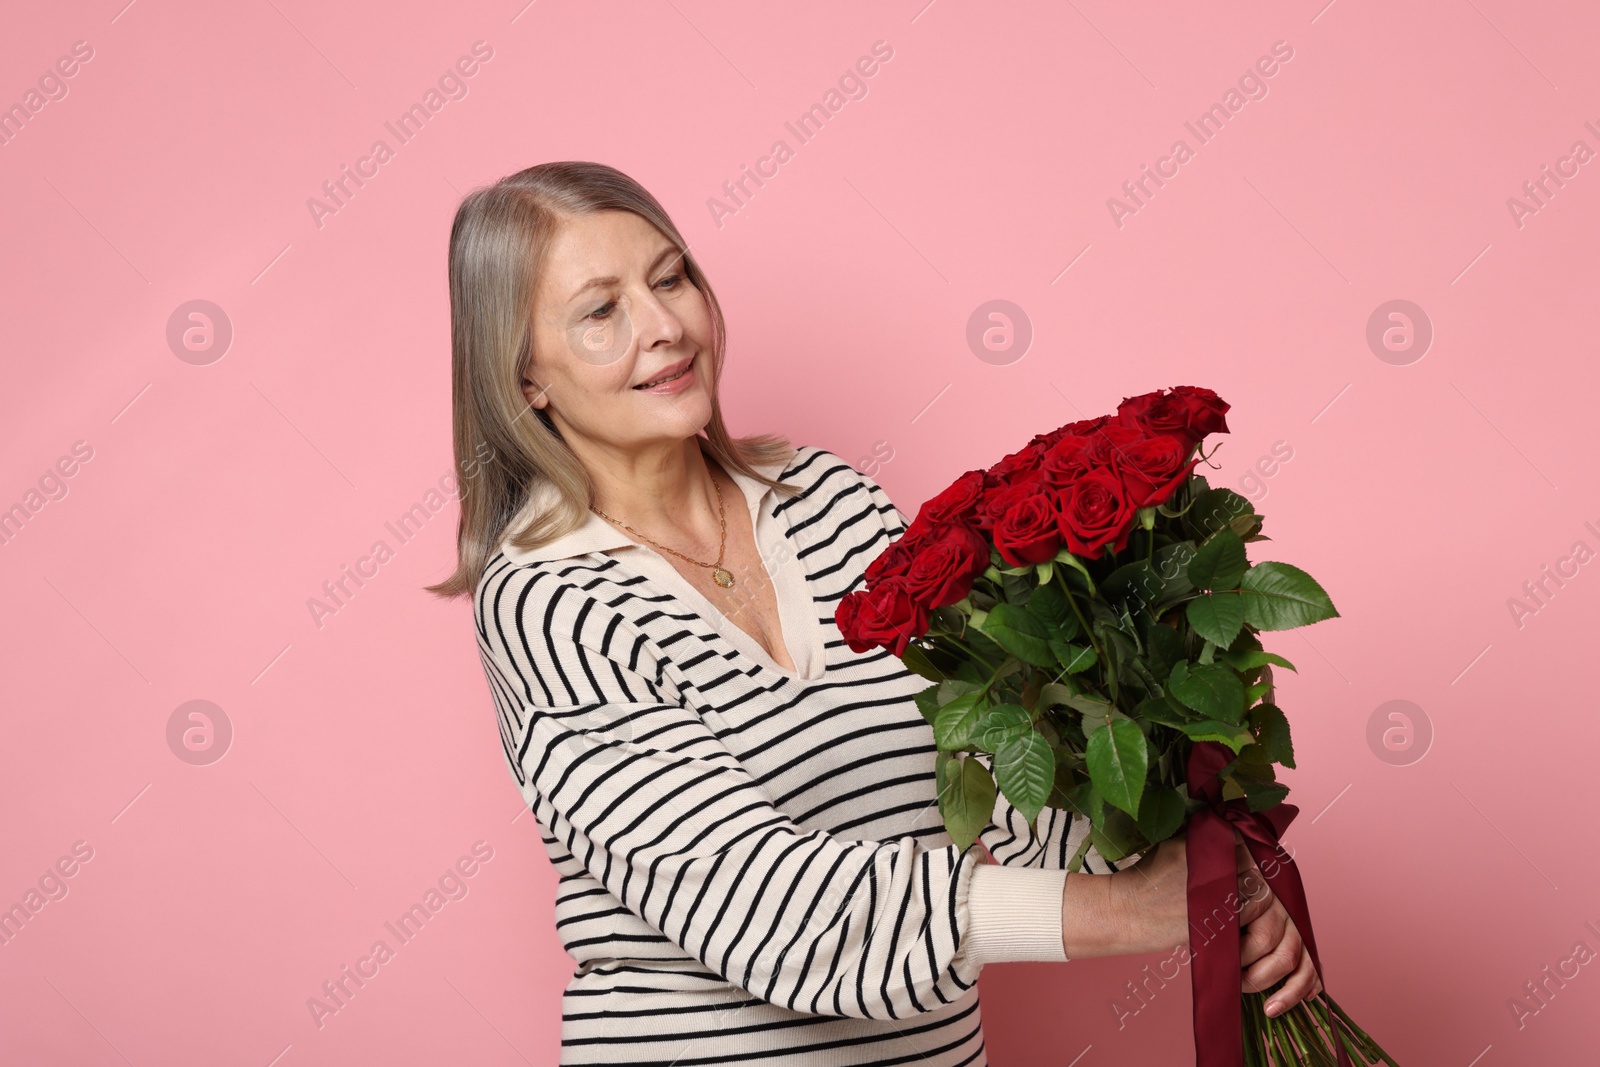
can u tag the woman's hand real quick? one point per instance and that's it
(1145, 908)
(1270, 947)
(1142, 908)
(1154, 894)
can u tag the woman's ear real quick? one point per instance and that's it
(535, 393)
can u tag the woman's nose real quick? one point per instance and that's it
(655, 322)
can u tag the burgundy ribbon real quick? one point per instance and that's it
(1213, 922)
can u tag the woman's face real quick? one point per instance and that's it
(614, 310)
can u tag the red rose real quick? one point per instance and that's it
(961, 503)
(896, 559)
(1189, 412)
(944, 570)
(1152, 468)
(999, 498)
(1023, 461)
(1108, 444)
(1207, 410)
(957, 503)
(1067, 460)
(847, 617)
(1084, 427)
(1028, 531)
(884, 615)
(1081, 428)
(1096, 511)
(1155, 413)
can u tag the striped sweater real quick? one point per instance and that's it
(753, 866)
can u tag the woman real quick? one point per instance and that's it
(752, 862)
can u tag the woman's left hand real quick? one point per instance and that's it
(1269, 946)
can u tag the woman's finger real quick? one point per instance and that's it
(1261, 935)
(1295, 989)
(1255, 898)
(1279, 961)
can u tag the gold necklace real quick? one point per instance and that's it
(719, 574)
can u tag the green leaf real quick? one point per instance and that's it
(1089, 705)
(1117, 643)
(1219, 563)
(1272, 733)
(1161, 814)
(1118, 759)
(1280, 596)
(1256, 692)
(1018, 584)
(1000, 724)
(1136, 584)
(1086, 800)
(1215, 691)
(1235, 737)
(966, 801)
(1161, 710)
(1117, 837)
(1046, 571)
(1020, 633)
(1099, 719)
(1250, 660)
(1248, 527)
(1026, 769)
(1216, 618)
(928, 703)
(1261, 796)
(1055, 694)
(951, 688)
(1049, 603)
(1073, 658)
(1172, 567)
(1216, 509)
(1162, 648)
(916, 660)
(969, 671)
(956, 723)
(1075, 864)
(1066, 779)
(1136, 674)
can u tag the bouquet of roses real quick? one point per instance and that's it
(1087, 614)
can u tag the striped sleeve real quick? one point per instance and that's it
(1009, 837)
(643, 793)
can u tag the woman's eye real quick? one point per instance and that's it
(673, 279)
(603, 310)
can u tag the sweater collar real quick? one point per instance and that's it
(598, 535)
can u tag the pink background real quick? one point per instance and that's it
(364, 761)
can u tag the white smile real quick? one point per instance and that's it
(668, 378)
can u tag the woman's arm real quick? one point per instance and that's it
(638, 789)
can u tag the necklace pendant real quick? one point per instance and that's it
(722, 577)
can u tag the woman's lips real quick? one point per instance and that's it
(676, 385)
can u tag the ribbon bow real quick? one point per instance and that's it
(1214, 903)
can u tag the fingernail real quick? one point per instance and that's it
(1273, 1007)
